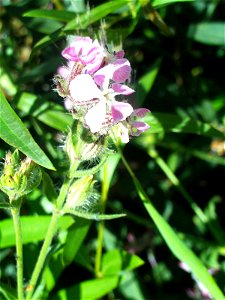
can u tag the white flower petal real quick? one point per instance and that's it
(96, 116)
(83, 88)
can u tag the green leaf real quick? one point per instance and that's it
(40, 70)
(145, 83)
(116, 261)
(95, 14)
(88, 290)
(51, 114)
(175, 244)
(108, 170)
(163, 122)
(7, 293)
(58, 15)
(93, 216)
(47, 40)
(4, 205)
(212, 33)
(75, 237)
(159, 3)
(130, 287)
(34, 229)
(13, 132)
(53, 270)
(48, 188)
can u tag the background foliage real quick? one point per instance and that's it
(177, 51)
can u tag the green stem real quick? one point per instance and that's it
(19, 250)
(48, 239)
(98, 256)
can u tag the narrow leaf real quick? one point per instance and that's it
(14, 132)
(33, 229)
(96, 217)
(145, 83)
(175, 244)
(7, 293)
(159, 3)
(62, 15)
(95, 14)
(164, 122)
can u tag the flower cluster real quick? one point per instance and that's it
(91, 84)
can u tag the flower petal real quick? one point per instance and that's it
(140, 112)
(122, 70)
(122, 89)
(103, 75)
(123, 133)
(96, 116)
(83, 88)
(120, 111)
(138, 127)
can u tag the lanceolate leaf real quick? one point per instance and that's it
(175, 244)
(57, 15)
(95, 14)
(164, 122)
(96, 217)
(158, 3)
(14, 132)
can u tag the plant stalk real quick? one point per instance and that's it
(48, 239)
(19, 250)
(98, 256)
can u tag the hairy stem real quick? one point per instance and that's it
(48, 239)
(98, 256)
(19, 250)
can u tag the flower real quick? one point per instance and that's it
(105, 109)
(93, 84)
(131, 126)
(86, 51)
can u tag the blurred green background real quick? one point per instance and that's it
(177, 51)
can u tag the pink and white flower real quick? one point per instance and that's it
(131, 126)
(91, 82)
(84, 90)
(87, 52)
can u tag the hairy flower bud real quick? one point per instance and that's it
(79, 192)
(81, 145)
(19, 178)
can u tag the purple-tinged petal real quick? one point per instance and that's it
(120, 111)
(83, 88)
(103, 75)
(70, 54)
(63, 71)
(140, 112)
(122, 70)
(122, 89)
(119, 54)
(96, 116)
(138, 127)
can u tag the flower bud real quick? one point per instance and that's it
(19, 178)
(81, 145)
(79, 192)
